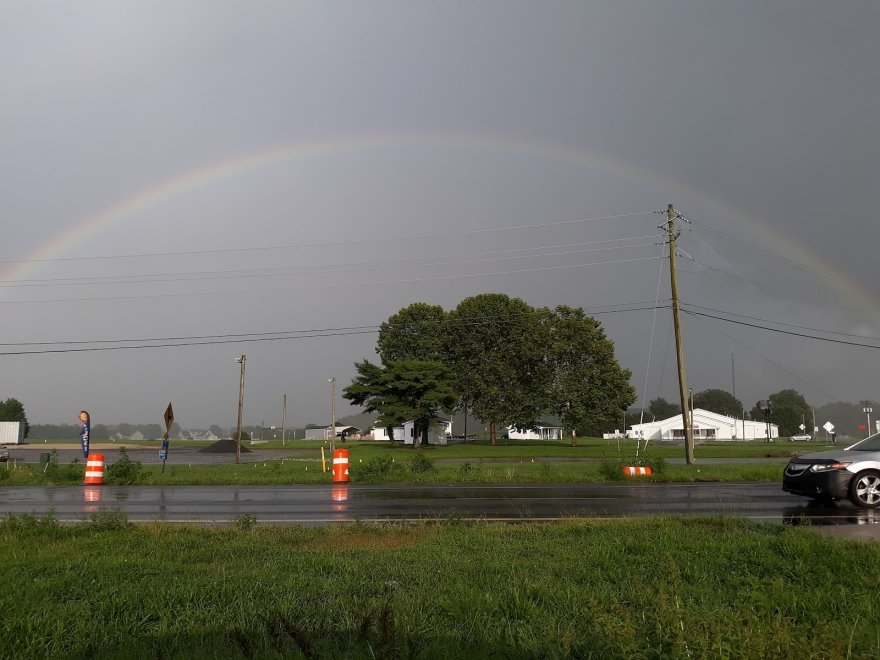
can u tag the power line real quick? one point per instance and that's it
(789, 325)
(195, 276)
(208, 340)
(776, 364)
(784, 332)
(368, 241)
(330, 285)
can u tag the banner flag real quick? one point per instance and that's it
(84, 432)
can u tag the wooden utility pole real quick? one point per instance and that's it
(241, 360)
(283, 418)
(332, 414)
(679, 352)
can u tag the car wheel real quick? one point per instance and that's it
(864, 489)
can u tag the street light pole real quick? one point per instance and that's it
(867, 409)
(241, 360)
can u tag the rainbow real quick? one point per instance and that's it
(186, 182)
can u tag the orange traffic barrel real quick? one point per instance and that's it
(637, 471)
(95, 470)
(340, 466)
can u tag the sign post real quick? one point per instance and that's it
(169, 420)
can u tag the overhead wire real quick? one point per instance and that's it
(330, 284)
(195, 276)
(367, 241)
(205, 340)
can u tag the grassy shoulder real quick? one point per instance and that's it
(404, 466)
(631, 588)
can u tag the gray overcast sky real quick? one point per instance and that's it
(322, 165)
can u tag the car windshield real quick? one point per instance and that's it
(871, 443)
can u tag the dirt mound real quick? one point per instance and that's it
(225, 446)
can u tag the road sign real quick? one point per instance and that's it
(828, 426)
(169, 417)
(802, 427)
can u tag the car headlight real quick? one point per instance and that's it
(825, 467)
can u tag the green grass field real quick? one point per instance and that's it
(606, 589)
(404, 466)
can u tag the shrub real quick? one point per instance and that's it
(124, 471)
(245, 522)
(611, 470)
(421, 464)
(375, 469)
(108, 519)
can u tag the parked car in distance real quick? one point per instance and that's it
(801, 438)
(4, 454)
(850, 473)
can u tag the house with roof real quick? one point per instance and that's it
(707, 426)
(438, 434)
(327, 431)
(542, 431)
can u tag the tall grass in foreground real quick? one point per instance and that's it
(634, 588)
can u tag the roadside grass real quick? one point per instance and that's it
(632, 588)
(586, 448)
(412, 467)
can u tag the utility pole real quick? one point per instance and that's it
(241, 360)
(283, 418)
(679, 351)
(332, 382)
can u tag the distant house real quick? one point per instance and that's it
(197, 435)
(137, 436)
(542, 431)
(707, 425)
(326, 432)
(437, 435)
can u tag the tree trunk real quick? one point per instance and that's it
(574, 442)
(425, 435)
(492, 433)
(417, 435)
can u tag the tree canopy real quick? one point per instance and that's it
(12, 410)
(587, 385)
(660, 408)
(498, 350)
(404, 390)
(416, 332)
(718, 401)
(509, 363)
(788, 409)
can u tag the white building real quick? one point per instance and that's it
(438, 434)
(11, 433)
(543, 431)
(707, 425)
(326, 432)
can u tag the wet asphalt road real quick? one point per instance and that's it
(320, 505)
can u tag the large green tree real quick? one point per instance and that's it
(498, 351)
(416, 332)
(788, 409)
(660, 408)
(718, 401)
(587, 387)
(12, 410)
(402, 390)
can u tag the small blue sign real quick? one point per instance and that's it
(163, 453)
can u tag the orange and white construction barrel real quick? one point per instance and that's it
(340, 466)
(94, 470)
(631, 471)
